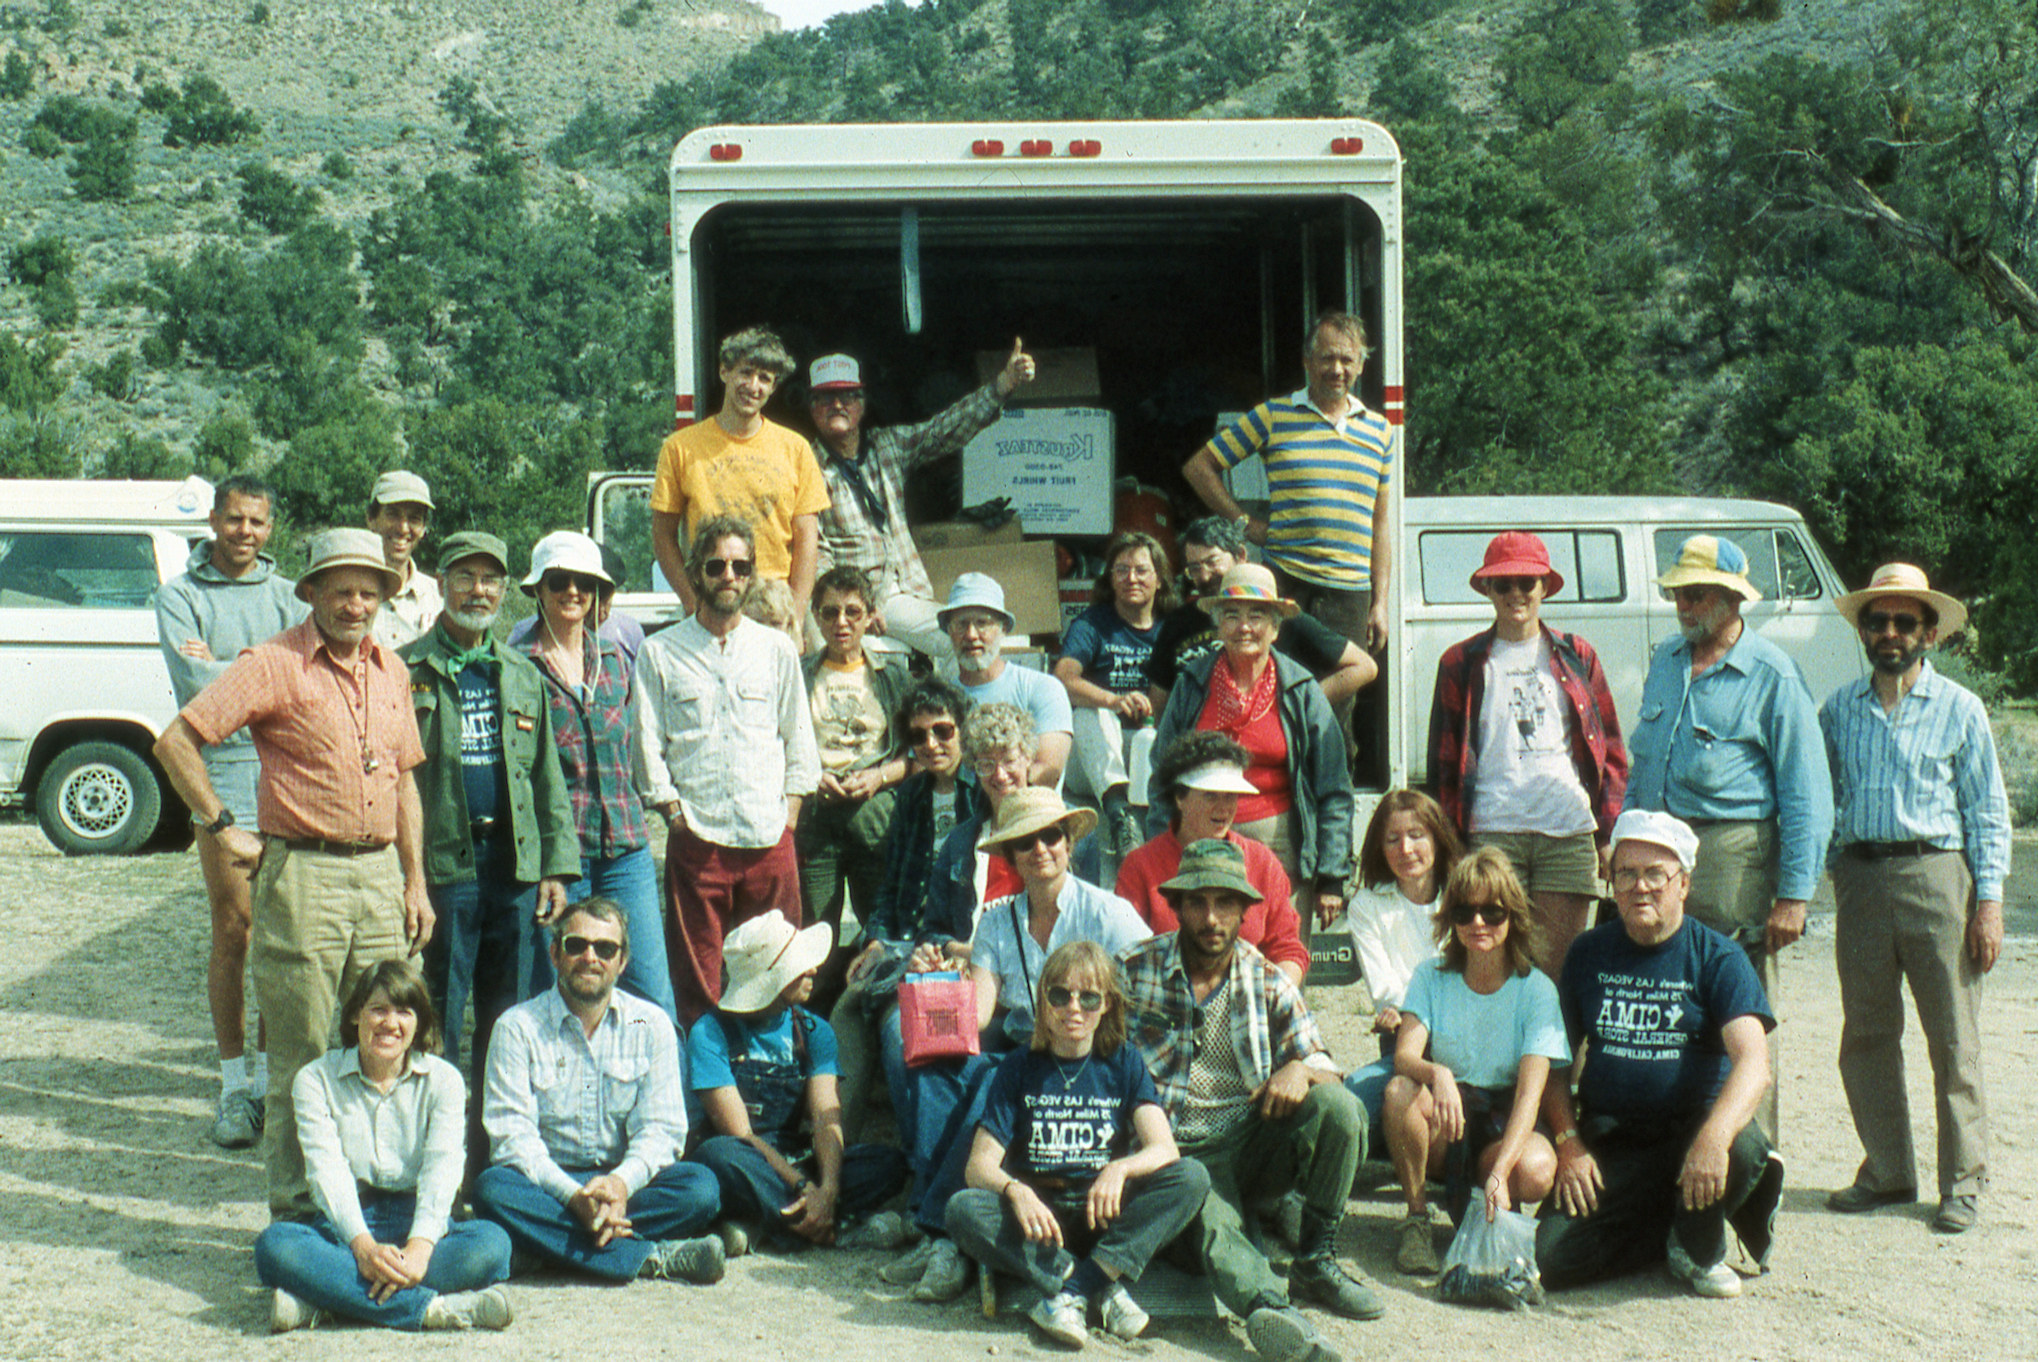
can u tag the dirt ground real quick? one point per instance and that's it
(127, 1234)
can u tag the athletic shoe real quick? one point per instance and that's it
(1718, 1282)
(700, 1261)
(946, 1275)
(1284, 1334)
(287, 1313)
(1060, 1317)
(909, 1267)
(1121, 1314)
(486, 1309)
(1417, 1254)
(237, 1121)
(885, 1230)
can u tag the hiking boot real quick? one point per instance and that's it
(287, 1313)
(700, 1261)
(1121, 1314)
(946, 1275)
(1281, 1333)
(1060, 1317)
(1718, 1282)
(237, 1121)
(488, 1309)
(908, 1267)
(1317, 1276)
(1417, 1252)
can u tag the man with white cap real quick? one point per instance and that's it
(1728, 741)
(1662, 1152)
(976, 622)
(765, 1070)
(400, 511)
(864, 527)
(1920, 853)
(339, 865)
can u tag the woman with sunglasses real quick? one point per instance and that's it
(1480, 1032)
(1074, 1180)
(588, 686)
(1525, 746)
(383, 1123)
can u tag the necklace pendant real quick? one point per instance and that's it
(370, 765)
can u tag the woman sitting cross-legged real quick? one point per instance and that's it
(1480, 1032)
(1074, 1179)
(383, 1125)
(765, 1070)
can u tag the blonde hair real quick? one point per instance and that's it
(1088, 962)
(771, 604)
(1486, 876)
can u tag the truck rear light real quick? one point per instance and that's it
(1036, 146)
(1081, 148)
(726, 151)
(1347, 146)
(985, 146)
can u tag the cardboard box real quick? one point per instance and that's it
(1061, 378)
(961, 534)
(1025, 570)
(1055, 464)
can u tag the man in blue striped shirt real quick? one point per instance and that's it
(1921, 848)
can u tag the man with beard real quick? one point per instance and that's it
(1728, 741)
(725, 753)
(1922, 848)
(1251, 1092)
(339, 875)
(498, 815)
(584, 1107)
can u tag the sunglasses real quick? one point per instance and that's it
(723, 567)
(1088, 999)
(604, 948)
(556, 582)
(1507, 586)
(940, 731)
(1052, 835)
(1875, 621)
(1492, 914)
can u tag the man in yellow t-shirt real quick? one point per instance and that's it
(742, 465)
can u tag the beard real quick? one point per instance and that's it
(1707, 621)
(1895, 661)
(477, 621)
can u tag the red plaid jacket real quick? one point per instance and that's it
(1596, 750)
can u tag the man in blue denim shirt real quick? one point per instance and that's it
(1728, 740)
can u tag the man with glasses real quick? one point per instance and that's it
(1661, 1153)
(1921, 851)
(977, 622)
(724, 751)
(498, 816)
(864, 526)
(584, 1107)
(1253, 1095)
(1728, 741)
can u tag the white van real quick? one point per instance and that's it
(83, 689)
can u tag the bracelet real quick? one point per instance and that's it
(1562, 1138)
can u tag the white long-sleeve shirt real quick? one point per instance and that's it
(412, 1138)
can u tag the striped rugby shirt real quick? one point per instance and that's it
(1323, 476)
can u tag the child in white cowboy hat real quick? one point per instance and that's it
(764, 1069)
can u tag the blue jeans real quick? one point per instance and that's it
(752, 1190)
(1369, 1085)
(924, 1100)
(677, 1204)
(631, 879)
(948, 1171)
(310, 1262)
(475, 952)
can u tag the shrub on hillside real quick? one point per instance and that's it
(238, 310)
(17, 76)
(225, 445)
(38, 447)
(142, 457)
(274, 201)
(115, 378)
(28, 373)
(102, 170)
(203, 115)
(41, 261)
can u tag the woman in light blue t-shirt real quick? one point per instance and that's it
(1480, 1031)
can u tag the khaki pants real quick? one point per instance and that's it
(1732, 892)
(1904, 920)
(320, 923)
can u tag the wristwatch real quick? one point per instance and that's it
(217, 825)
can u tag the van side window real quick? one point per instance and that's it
(1589, 561)
(623, 523)
(1758, 543)
(1800, 578)
(1600, 576)
(47, 571)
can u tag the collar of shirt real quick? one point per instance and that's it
(1301, 398)
(350, 1064)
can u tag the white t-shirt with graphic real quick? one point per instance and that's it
(1525, 781)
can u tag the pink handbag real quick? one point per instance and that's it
(937, 1017)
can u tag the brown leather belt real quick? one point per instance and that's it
(325, 848)
(1889, 851)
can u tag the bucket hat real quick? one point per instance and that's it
(1212, 863)
(1708, 560)
(1517, 553)
(348, 548)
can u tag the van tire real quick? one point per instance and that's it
(98, 799)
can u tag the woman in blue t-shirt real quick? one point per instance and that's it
(1480, 1032)
(1073, 1156)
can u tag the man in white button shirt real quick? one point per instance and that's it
(725, 752)
(585, 1116)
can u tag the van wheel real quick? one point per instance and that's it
(98, 798)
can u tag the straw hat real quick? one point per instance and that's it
(1249, 584)
(1212, 863)
(1027, 811)
(1901, 579)
(1517, 553)
(1707, 560)
(765, 954)
(348, 548)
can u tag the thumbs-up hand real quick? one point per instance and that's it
(1018, 370)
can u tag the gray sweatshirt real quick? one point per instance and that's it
(230, 615)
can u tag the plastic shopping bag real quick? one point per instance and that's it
(1492, 1262)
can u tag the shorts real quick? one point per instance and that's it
(234, 782)
(1549, 865)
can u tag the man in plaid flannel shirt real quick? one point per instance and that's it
(864, 526)
(1253, 1095)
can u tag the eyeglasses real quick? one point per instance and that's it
(851, 613)
(1875, 621)
(723, 567)
(940, 731)
(1053, 835)
(976, 624)
(1650, 877)
(464, 580)
(556, 582)
(1492, 914)
(1245, 614)
(839, 399)
(605, 948)
(1133, 570)
(1508, 586)
(1088, 999)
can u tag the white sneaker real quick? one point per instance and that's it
(946, 1275)
(287, 1313)
(237, 1121)
(1121, 1314)
(1718, 1282)
(487, 1309)
(1060, 1317)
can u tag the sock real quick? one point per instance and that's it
(233, 1073)
(258, 1075)
(1088, 1280)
